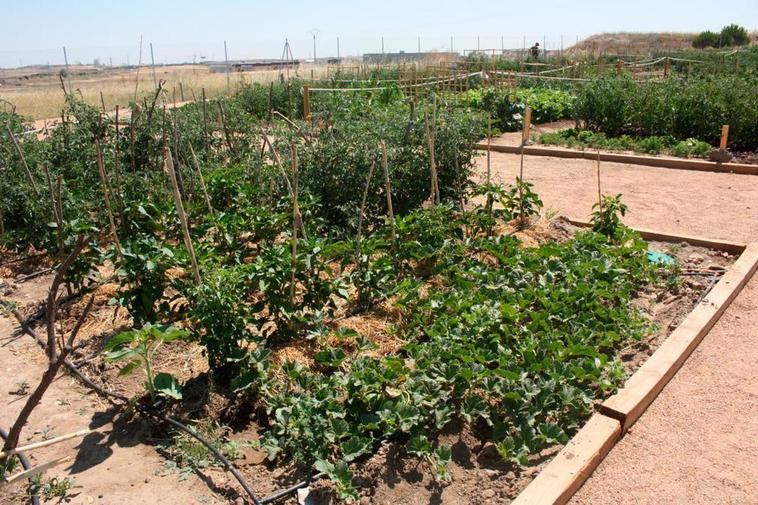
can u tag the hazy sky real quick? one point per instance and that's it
(34, 31)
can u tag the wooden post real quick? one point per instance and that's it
(599, 194)
(270, 100)
(666, 67)
(363, 204)
(489, 149)
(295, 223)
(205, 120)
(106, 195)
(306, 103)
(169, 165)
(430, 130)
(388, 190)
(54, 208)
(102, 101)
(724, 137)
(202, 180)
(20, 153)
(223, 126)
(527, 124)
(181, 91)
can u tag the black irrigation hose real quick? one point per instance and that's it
(146, 410)
(277, 495)
(24, 463)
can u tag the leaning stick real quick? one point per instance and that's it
(295, 221)
(599, 195)
(365, 197)
(489, 149)
(106, 195)
(202, 181)
(168, 163)
(34, 471)
(433, 165)
(388, 190)
(54, 207)
(205, 120)
(45, 443)
(20, 153)
(278, 163)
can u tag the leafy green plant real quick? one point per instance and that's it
(522, 202)
(138, 348)
(606, 216)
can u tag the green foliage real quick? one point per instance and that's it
(583, 139)
(606, 217)
(521, 202)
(731, 35)
(506, 106)
(142, 271)
(186, 455)
(693, 108)
(138, 348)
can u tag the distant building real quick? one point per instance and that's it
(403, 57)
(247, 66)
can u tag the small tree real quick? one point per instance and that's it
(57, 348)
(734, 35)
(706, 39)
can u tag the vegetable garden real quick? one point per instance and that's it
(348, 280)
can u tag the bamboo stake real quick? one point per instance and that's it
(599, 194)
(56, 217)
(223, 126)
(106, 196)
(489, 149)
(34, 471)
(168, 163)
(205, 120)
(20, 153)
(202, 180)
(363, 202)
(295, 221)
(388, 190)
(432, 161)
(45, 443)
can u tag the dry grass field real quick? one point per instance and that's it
(36, 91)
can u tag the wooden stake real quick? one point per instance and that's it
(223, 126)
(306, 103)
(202, 180)
(205, 120)
(106, 195)
(20, 153)
(295, 222)
(388, 190)
(168, 163)
(489, 149)
(56, 216)
(34, 471)
(430, 129)
(363, 201)
(45, 443)
(599, 194)
(724, 137)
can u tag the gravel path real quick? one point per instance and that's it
(698, 442)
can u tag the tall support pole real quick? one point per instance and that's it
(226, 65)
(314, 48)
(152, 64)
(382, 44)
(452, 50)
(338, 48)
(68, 73)
(419, 43)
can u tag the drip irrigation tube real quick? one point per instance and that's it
(170, 420)
(24, 463)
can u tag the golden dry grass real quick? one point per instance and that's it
(39, 96)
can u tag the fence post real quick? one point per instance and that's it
(306, 103)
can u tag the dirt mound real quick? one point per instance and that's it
(632, 43)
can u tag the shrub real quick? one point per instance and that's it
(706, 39)
(734, 35)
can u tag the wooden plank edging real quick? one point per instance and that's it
(567, 472)
(719, 245)
(632, 159)
(628, 404)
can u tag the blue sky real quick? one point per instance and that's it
(34, 31)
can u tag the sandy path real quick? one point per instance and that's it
(698, 442)
(708, 204)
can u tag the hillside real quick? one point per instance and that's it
(632, 43)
